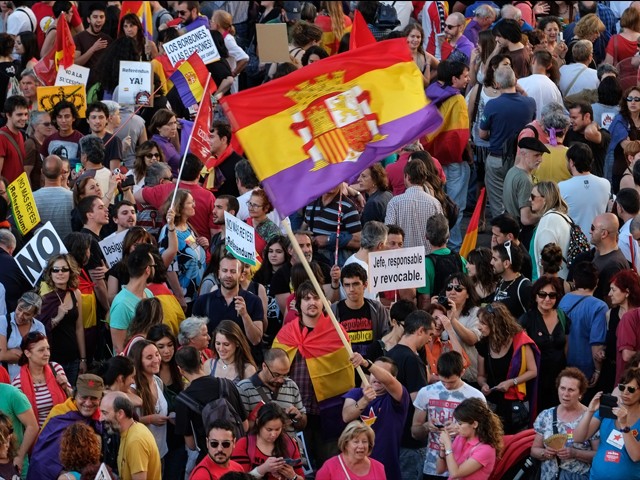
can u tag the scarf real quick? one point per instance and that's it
(26, 385)
(326, 358)
(212, 164)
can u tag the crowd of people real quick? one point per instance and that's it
(177, 360)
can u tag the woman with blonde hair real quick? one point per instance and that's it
(334, 24)
(554, 225)
(589, 28)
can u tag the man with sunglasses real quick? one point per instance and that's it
(272, 384)
(220, 443)
(506, 228)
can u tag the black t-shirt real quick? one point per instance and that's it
(95, 252)
(358, 325)
(608, 265)
(412, 373)
(203, 390)
(599, 149)
(527, 266)
(515, 295)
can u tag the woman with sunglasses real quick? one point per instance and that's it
(45, 384)
(62, 315)
(147, 154)
(548, 326)
(573, 460)
(463, 315)
(264, 450)
(618, 453)
(554, 225)
(15, 326)
(624, 295)
(624, 128)
(508, 365)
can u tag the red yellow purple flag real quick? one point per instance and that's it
(360, 33)
(471, 237)
(318, 126)
(62, 54)
(189, 79)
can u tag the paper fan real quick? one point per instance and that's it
(557, 441)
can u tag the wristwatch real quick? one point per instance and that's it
(448, 452)
(625, 429)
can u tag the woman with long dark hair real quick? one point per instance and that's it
(131, 27)
(624, 128)
(481, 273)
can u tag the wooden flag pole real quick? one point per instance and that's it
(325, 302)
(186, 150)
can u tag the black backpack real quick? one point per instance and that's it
(216, 409)
(443, 266)
(386, 16)
(578, 242)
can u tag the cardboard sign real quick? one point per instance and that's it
(23, 205)
(136, 84)
(74, 75)
(111, 247)
(396, 269)
(48, 97)
(198, 40)
(34, 255)
(240, 239)
(273, 41)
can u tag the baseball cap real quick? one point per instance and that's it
(89, 385)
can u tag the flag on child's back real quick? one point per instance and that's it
(189, 80)
(318, 126)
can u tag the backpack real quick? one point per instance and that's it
(216, 409)
(510, 148)
(386, 16)
(443, 266)
(578, 242)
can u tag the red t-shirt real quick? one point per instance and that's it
(207, 469)
(12, 166)
(202, 221)
(625, 48)
(395, 173)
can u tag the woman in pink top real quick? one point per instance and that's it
(355, 444)
(473, 453)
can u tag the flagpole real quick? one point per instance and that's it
(320, 292)
(186, 150)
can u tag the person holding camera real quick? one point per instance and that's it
(618, 422)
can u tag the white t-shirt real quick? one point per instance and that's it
(542, 89)
(21, 20)
(587, 197)
(625, 244)
(439, 403)
(588, 79)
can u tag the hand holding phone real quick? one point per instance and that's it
(607, 404)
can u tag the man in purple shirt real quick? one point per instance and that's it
(483, 18)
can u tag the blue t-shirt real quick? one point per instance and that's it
(505, 116)
(123, 308)
(386, 417)
(612, 460)
(588, 328)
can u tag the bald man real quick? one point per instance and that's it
(54, 200)
(607, 258)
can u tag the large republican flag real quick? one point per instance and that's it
(323, 124)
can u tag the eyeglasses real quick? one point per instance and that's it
(152, 155)
(254, 205)
(507, 246)
(447, 26)
(551, 295)
(622, 387)
(216, 443)
(458, 288)
(534, 196)
(276, 374)
(60, 269)
(633, 99)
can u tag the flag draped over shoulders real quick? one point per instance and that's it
(326, 358)
(314, 128)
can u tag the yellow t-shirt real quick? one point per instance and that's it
(554, 165)
(138, 453)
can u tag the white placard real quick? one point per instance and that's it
(74, 75)
(135, 87)
(103, 473)
(396, 269)
(111, 247)
(198, 40)
(34, 255)
(240, 239)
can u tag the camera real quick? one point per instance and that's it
(444, 301)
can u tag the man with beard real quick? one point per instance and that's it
(229, 302)
(220, 443)
(223, 203)
(138, 455)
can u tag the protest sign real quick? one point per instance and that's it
(23, 205)
(273, 41)
(34, 255)
(198, 40)
(74, 75)
(48, 97)
(396, 269)
(111, 247)
(240, 239)
(136, 83)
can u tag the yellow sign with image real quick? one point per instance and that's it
(23, 205)
(48, 97)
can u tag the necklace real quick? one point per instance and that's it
(225, 365)
(501, 284)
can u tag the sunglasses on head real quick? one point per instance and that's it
(216, 443)
(622, 387)
(551, 295)
(457, 287)
(60, 269)
(633, 99)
